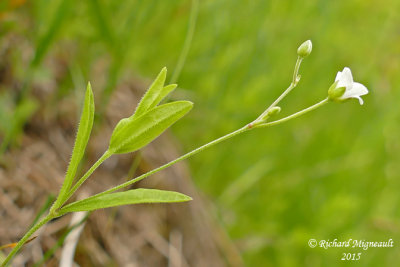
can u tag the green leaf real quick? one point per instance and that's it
(151, 94)
(82, 138)
(155, 94)
(135, 196)
(163, 93)
(134, 133)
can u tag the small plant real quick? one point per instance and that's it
(147, 123)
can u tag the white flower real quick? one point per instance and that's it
(345, 88)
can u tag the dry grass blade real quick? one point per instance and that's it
(11, 245)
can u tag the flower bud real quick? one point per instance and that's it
(304, 49)
(272, 112)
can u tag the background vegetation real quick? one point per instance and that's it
(331, 174)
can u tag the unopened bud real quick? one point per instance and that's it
(272, 112)
(304, 49)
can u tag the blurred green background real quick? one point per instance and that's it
(333, 173)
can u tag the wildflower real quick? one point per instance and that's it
(344, 87)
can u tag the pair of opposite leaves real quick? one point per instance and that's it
(130, 134)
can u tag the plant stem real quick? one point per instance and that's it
(108, 153)
(296, 77)
(293, 84)
(187, 155)
(294, 115)
(105, 156)
(25, 238)
(216, 141)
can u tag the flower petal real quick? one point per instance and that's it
(338, 76)
(345, 78)
(359, 88)
(359, 99)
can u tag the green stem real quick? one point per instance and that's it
(187, 155)
(216, 141)
(293, 84)
(296, 77)
(294, 115)
(25, 238)
(53, 213)
(105, 156)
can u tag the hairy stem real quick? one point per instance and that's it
(54, 213)
(105, 156)
(185, 156)
(25, 238)
(216, 141)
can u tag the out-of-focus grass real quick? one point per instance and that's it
(330, 174)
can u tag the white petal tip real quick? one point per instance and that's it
(346, 69)
(360, 100)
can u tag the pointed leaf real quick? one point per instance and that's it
(152, 94)
(82, 138)
(134, 133)
(135, 196)
(163, 93)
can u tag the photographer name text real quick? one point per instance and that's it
(351, 243)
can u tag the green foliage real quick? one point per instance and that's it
(336, 178)
(129, 135)
(135, 132)
(135, 196)
(13, 118)
(82, 138)
(163, 93)
(53, 27)
(148, 121)
(149, 99)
